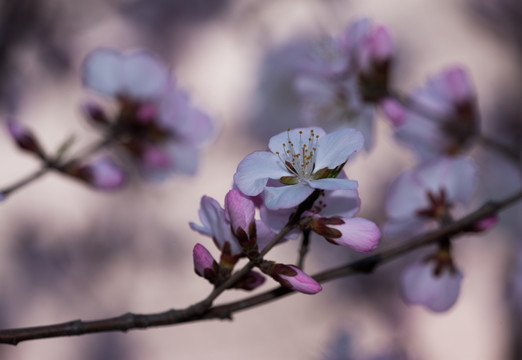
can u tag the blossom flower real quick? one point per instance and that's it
(428, 192)
(332, 216)
(215, 225)
(345, 77)
(433, 283)
(156, 125)
(441, 118)
(233, 228)
(302, 160)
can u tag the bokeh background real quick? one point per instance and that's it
(69, 252)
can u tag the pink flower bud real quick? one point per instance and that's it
(381, 45)
(240, 211)
(394, 111)
(95, 114)
(204, 264)
(360, 234)
(24, 138)
(105, 174)
(102, 174)
(458, 85)
(483, 224)
(250, 281)
(155, 157)
(294, 278)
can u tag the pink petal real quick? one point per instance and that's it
(239, 209)
(421, 286)
(360, 234)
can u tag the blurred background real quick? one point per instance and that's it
(69, 252)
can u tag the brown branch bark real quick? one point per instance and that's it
(203, 311)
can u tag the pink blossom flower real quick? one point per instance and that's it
(302, 160)
(341, 203)
(215, 225)
(332, 217)
(238, 214)
(292, 277)
(432, 284)
(156, 125)
(441, 118)
(428, 192)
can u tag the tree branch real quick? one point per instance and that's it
(203, 311)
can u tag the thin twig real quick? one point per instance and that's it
(56, 165)
(365, 265)
(303, 249)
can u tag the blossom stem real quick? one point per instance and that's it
(56, 165)
(304, 248)
(203, 311)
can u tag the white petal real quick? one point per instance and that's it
(406, 195)
(420, 286)
(461, 179)
(103, 71)
(334, 184)
(285, 197)
(145, 76)
(335, 148)
(254, 171)
(344, 203)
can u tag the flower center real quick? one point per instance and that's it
(299, 158)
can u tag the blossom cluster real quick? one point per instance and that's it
(154, 127)
(340, 81)
(298, 183)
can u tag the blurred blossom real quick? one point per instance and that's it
(156, 125)
(342, 348)
(515, 280)
(345, 77)
(440, 118)
(428, 192)
(302, 160)
(433, 283)
(334, 82)
(24, 138)
(102, 174)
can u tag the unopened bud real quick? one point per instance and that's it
(95, 114)
(292, 277)
(24, 138)
(204, 264)
(250, 281)
(102, 174)
(483, 224)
